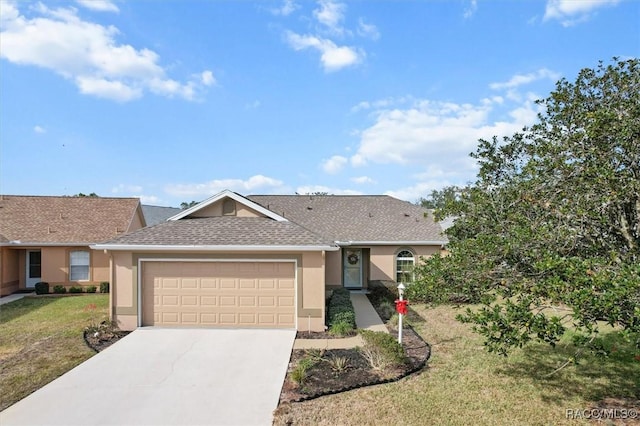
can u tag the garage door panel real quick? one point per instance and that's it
(208, 301)
(189, 300)
(208, 283)
(247, 284)
(231, 294)
(189, 283)
(209, 319)
(284, 284)
(228, 283)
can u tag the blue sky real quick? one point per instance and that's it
(173, 101)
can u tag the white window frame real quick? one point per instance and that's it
(78, 263)
(405, 258)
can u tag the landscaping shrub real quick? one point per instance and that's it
(59, 289)
(341, 310)
(301, 371)
(341, 328)
(91, 289)
(104, 287)
(395, 319)
(381, 292)
(42, 288)
(387, 310)
(75, 289)
(382, 350)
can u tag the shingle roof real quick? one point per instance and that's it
(71, 220)
(157, 214)
(222, 231)
(370, 218)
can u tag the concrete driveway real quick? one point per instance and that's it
(160, 376)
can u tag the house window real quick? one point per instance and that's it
(229, 207)
(79, 265)
(404, 266)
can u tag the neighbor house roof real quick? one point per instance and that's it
(370, 219)
(64, 220)
(157, 214)
(220, 233)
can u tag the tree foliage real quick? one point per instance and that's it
(548, 237)
(187, 205)
(444, 199)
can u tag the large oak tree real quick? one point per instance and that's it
(548, 237)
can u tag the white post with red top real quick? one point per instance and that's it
(401, 308)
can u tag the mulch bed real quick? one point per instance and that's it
(99, 341)
(323, 380)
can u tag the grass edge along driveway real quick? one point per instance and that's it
(41, 339)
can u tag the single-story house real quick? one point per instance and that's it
(263, 260)
(47, 239)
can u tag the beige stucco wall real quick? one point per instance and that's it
(54, 267)
(333, 268)
(383, 259)
(215, 209)
(9, 271)
(136, 221)
(310, 288)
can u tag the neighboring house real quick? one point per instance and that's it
(263, 261)
(154, 215)
(48, 238)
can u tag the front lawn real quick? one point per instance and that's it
(41, 339)
(463, 384)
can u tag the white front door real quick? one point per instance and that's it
(34, 267)
(352, 270)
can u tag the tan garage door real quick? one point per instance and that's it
(223, 294)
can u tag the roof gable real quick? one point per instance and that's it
(66, 220)
(205, 208)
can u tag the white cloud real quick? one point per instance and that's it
(362, 180)
(330, 14)
(471, 10)
(207, 78)
(333, 57)
(287, 8)
(420, 190)
(149, 199)
(259, 183)
(381, 103)
(87, 54)
(571, 12)
(102, 88)
(368, 30)
(39, 129)
(310, 189)
(334, 164)
(523, 79)
(253, 105)
(99, 5)
(440, 135)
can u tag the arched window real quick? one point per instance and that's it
(404, 266)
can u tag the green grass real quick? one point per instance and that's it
(465, 385)
(41, 339)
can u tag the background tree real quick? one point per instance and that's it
(186, 205)
(548, 236)
(443, 199)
